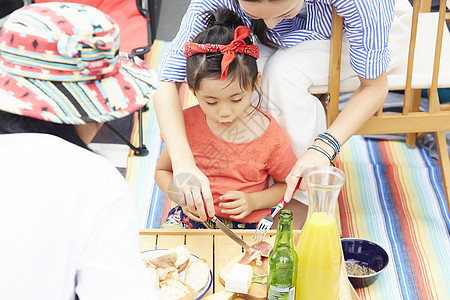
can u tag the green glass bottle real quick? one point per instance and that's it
(283, 262)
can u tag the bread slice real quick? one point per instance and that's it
(165, 259)
(148, 264)
(174, 289)
(154, 276)
(170, 272)
(177, 257)
(183, 256)
(197, 274)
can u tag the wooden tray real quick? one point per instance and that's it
(210, 244)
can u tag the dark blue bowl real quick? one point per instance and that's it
(367, 254)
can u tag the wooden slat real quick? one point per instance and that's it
(202, 232)
(414, 122)
(433, 95)
(249, 239)
(335, 66)
(415, 106)
(169, 241)
(444, 162)
(412, 49)
(176, 232)
(147, 242)
(425, 5)
(201, 246)
(224, 250)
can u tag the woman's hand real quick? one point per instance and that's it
(237, 204)
(190, 189)
(310, 158)
(191, 214)
(362, 105)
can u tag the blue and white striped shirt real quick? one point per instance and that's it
(366, 22)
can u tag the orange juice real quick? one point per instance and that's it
(319, 259)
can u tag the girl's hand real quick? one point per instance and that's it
(237, 204)
(190, 189)
(311, 158)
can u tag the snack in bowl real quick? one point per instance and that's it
(179, 274)
(360, 256)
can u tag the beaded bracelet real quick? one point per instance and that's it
(321, 150)
(331, 141)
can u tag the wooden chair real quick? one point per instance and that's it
(426, 66)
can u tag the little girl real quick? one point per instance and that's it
(235, 144)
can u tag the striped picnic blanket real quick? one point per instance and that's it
(393, 196)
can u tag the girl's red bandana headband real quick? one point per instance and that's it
(236, 46)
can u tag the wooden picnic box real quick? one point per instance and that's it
(218, 249)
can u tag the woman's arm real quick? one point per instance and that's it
(367, 31)
(171, 122)
(164, 180)
(171, 72)
(366, 100)
(164, 174)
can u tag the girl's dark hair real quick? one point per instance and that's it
(259, 28)
(11, 123)
(220, 30)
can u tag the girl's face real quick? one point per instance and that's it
(271, 12)
(223, 102)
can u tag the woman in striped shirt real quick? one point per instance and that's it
(293, 36)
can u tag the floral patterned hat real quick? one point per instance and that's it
(60, 62)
